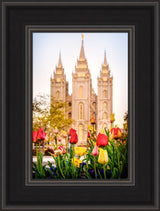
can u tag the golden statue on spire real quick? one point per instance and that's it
(82, 36)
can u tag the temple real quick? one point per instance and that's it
(83, 102)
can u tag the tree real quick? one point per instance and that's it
(125, 117)
(48, 116)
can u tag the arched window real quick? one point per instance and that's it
(104, 115)
(105, 94)
(69, 115)
(81, 111)
(81, 92)
(57, 95)
(105, 106)
(80, 132)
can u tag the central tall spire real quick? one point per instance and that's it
(105, 60)
(60, 62)
(82, 55)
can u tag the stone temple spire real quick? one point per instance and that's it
(82, 55)
(105, 60)
(60, 62)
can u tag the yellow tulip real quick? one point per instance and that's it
(103, 156)
(77, 162)
(112, 117)
(89, 127)
(102, 131)
(80, 151)
(94, 129)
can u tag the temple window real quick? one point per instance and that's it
(81, 111)
(104, 115)
(105, 94)
(57, 95)
(81, 92)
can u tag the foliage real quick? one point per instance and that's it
(49, 116)
(39, 168)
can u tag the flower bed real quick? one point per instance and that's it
(104, 157)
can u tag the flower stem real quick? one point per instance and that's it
(60, 167)
(73, 160)
(66, 146)
(104, 169)
(95, 168)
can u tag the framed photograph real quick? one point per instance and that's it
(80, 105)
(75, 133)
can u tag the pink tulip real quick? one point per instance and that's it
(59, 139)
(95, 150)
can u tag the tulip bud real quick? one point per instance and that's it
(95, 151)
(89, 135)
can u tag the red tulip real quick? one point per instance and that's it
(116, 133)
(62, 149)
(74, 138)
(41, 134)
(72, 131)
(102, 140)
(34, 136)
(89, 135)
(95, 151)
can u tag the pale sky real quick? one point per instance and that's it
(46, 48)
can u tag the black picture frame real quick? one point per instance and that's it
(18, 192)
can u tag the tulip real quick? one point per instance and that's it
(80, 151)
(62, 149)
(102, 131)
(41, 135)
(102, 140)
(34, 136)
(103, 157)
(90, 127)
(95, 150)
(59, 139)
(58, 152)
(112, 118)
(56, 130)
(94, 129)
(74, 138)
(116, 133)
(64, 134)
(72, 131)
(89, 135)
(92, 120)
(76, 162)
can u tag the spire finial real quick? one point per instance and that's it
(105, 60)
(60, 62)
(82, 36)
(82, 55)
